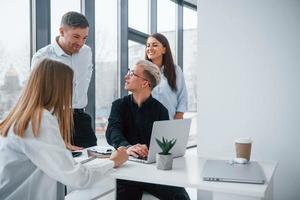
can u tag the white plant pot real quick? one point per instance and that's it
(164, 162)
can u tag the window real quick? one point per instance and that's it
(136, 51)
(166, 17)
(14, 51)
(106, 67)
(190, 55)
(190, 67)
(58, 9)
(138, 15)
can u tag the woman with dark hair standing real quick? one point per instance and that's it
(171, 91)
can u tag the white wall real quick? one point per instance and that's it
(249, 83)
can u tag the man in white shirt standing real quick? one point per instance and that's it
(69, 48)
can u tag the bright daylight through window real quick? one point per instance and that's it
(14, 51)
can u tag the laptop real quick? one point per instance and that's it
(169, 129)
(225, 171)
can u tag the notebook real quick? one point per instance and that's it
(169, 129)
(225, 171)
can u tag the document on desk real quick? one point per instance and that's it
(85, 160)
(95, 161)
(102, 149)
(97, 154)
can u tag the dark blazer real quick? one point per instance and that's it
(129, 124)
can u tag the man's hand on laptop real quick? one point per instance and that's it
(138, 150)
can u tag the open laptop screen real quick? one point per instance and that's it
(178, 129)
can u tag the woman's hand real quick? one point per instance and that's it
(178, 115)
(119, 156)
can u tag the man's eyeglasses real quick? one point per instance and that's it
(131, 74)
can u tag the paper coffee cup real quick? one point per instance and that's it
(243, 148)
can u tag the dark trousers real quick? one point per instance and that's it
(130, 190)
(84, 135)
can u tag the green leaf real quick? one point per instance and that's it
(165, 144)
(159, 143)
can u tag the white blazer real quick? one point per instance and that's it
(31, 167)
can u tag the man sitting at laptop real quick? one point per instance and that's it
(130, 125)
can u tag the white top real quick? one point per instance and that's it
(173, 101)
(80, 62)
(31, 166)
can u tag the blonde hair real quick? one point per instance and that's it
(49, 87)
(151, 72)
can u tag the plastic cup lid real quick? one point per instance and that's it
(243, 140)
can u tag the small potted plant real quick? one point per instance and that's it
(164, 159)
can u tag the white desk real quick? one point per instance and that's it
(186, 172)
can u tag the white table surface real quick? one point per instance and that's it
(187, 171)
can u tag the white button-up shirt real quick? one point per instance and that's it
(31, 166)
(173, 101)
(80, 62)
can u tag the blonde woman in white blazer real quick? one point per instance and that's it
(34, 135)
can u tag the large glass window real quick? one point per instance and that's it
(106, 67)
(190, 55)
(166, 16)
(138, 15)
(14, 51)
(190, 67)
(136, 51)
(58, 9)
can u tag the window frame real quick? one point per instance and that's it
(40, 31)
